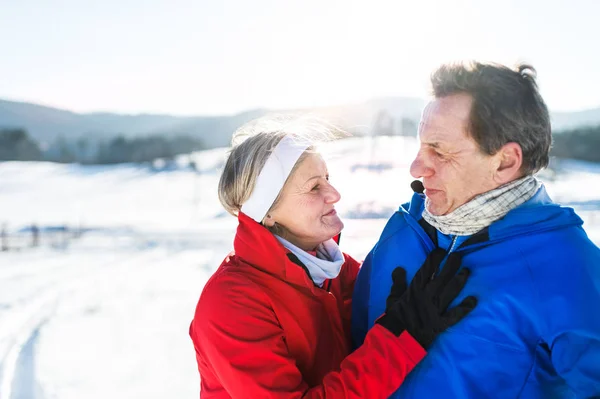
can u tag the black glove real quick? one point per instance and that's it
(422, 308)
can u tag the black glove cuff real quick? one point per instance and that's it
(393, 326)
(425, 339)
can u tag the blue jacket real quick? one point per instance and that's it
(536, 330)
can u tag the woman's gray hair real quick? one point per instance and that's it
(253, 143)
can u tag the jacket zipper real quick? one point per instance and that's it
(453, 244)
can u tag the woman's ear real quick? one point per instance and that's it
(510, 160)
(269, 221)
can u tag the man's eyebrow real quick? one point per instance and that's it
(433, 144)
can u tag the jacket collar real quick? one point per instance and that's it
(258, 247)
(537, 214)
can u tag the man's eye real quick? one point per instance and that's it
(315, 188)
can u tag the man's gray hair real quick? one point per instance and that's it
(507, 107)
(252, 145)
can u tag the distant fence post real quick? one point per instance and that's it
(35, 236)
(4, 238)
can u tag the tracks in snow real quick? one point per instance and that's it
(20, 323)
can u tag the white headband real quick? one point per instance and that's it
(272, 177)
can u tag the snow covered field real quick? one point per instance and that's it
(106, 315)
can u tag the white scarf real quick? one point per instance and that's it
(326, 265)
(484, 209)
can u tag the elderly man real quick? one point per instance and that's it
(536, 330)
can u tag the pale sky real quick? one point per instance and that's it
(225, 56)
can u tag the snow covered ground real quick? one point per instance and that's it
(106, 315)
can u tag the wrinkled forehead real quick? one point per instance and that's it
(450, 113)
(453, 107)
(312, 165)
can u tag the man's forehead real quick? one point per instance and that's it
(445, 119)
(455, 107)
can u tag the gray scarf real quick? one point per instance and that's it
(326, 265)
(484, 209)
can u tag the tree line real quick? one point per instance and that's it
(581, 143)
(17, 145)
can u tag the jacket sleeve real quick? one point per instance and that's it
(570, 303)
(348, 279)
(239, 336)
(576, 358)
(360, 302)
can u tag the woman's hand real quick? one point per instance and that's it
(422, 309)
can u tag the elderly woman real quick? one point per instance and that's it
(274, 319)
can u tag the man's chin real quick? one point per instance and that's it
(436, 210)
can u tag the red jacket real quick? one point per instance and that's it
(262, 329)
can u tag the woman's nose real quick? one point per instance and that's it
(332, 195)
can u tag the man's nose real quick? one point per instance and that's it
(419, 167)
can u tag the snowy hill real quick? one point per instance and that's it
(45, 124)
(106, 314)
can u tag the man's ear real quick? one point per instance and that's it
(509, 162)
(269, 221)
